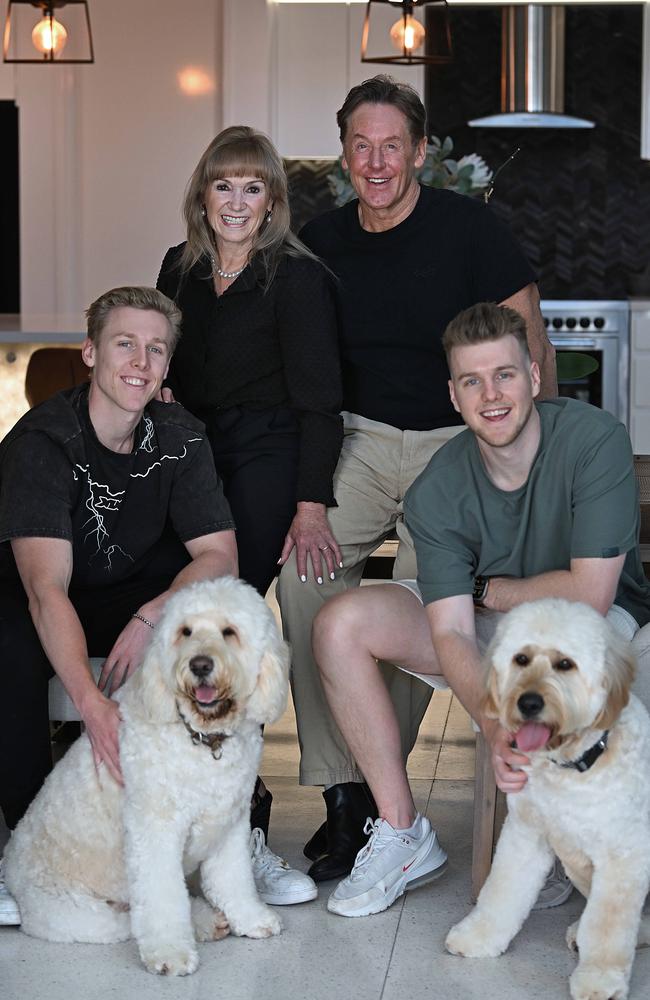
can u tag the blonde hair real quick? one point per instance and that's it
(135, 297)
(240, 151)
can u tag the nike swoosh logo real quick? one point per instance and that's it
(406, 867)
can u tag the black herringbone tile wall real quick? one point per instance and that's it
(308, 191)
(578, 200)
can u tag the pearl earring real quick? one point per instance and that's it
(203, 211)
(269, 215)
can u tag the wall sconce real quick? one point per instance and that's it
(48, 39)
(407, 35)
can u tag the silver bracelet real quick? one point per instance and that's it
(141, 618)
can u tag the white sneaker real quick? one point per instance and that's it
(9, 912)
(390, 863)
(275, 881)
(557, 888)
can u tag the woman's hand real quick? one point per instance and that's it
(312, 536)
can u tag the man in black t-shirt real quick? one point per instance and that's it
(109, 501)
(407, 259)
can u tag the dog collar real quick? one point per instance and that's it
(211, 740)
(589, 757)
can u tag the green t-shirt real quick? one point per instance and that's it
(580, 502)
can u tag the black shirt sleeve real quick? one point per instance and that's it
(498, 266)
(37, 490)
(306, 319)
(197, 505)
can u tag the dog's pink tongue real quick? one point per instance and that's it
(532, 736)
(205, 694)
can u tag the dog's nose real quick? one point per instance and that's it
(201, 666)
(530, 703)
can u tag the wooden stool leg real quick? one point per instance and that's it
(485, 811)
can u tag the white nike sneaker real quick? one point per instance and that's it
(390, 863)
(277, 883)
(9, 913)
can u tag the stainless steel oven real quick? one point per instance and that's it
(600, 329)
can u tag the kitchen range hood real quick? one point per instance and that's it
(532, 71)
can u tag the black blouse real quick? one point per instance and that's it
(258, 350)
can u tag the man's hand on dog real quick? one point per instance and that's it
(102, 720)
(126, 655)
(506, 761)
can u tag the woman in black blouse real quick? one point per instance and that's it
(258, 363)
(258, 358)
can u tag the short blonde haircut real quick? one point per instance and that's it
(135, 297)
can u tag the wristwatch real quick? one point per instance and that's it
(481, 584)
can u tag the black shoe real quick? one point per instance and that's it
(261, 809)
(317, 846)
(348, 807)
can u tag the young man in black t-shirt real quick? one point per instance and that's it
(109, 501)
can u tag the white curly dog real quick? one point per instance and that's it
(91, 861)
(559, 680)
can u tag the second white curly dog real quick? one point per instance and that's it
(559, 679)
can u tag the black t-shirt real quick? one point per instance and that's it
(59, 481)
(399, 289)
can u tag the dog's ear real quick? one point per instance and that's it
(152, 698)
(620, 667)
(489, 706)
(269, 699)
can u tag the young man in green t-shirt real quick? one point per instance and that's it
(532, 500)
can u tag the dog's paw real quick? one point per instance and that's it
(258, 922)
(169, 959)
(571, 936)
(474, 938)
(209, 923)
(589, 982)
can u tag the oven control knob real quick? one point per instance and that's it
(585, 322)
(557, 323)
(545, 318)
(599, 322)
(571, 323)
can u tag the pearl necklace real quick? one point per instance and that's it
(227, 274)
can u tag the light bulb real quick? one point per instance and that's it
(49, 37)
(407, 36)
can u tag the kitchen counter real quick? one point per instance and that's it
(20, 328)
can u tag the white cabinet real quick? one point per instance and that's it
(640, 376)
(317, 61)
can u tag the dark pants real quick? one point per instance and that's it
(256, 455)
(25, 753)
